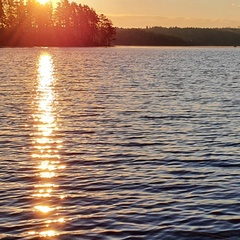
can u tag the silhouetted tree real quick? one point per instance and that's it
(63, 14)
(91, 28)
(20, 13)
(10, 12)
(2, 15)
(107, 32)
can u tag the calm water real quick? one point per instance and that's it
(120, 143)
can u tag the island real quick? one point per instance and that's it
(39, 23)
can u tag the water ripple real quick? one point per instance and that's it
(148, 138)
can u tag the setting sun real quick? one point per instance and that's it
(43, 1)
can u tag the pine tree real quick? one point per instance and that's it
(107, 32)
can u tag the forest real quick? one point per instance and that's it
(175, 36)
(68, 24)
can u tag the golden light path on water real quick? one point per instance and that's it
(46, 145)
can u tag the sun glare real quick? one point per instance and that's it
(43, 1)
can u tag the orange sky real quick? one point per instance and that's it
(182, 13)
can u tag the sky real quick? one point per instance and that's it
(168, 13)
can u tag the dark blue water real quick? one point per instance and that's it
(120, 143)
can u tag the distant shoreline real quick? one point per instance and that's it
(174, 36)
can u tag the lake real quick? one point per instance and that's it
(120, 143)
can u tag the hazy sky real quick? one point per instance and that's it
(182, 13)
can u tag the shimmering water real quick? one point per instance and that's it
(120, 143)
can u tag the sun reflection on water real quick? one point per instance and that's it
(46, 145)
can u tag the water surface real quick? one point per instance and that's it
(119, 143)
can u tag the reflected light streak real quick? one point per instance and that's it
(45, 150)
(47, 174)
(60, 220)
(50, 233)
(44, 209)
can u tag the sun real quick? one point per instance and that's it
(43, 1)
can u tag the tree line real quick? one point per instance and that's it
(144, 37)
(30, 23)
(175, 36)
